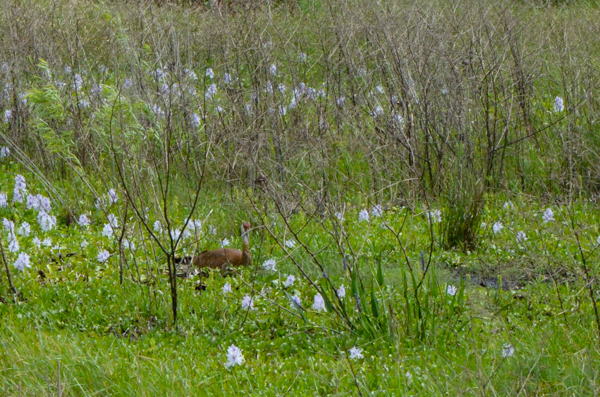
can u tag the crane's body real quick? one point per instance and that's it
(223, 257)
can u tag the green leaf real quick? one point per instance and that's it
(374, 304)
(328, 303)
(379, 274)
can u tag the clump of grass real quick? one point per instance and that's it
(464, 204)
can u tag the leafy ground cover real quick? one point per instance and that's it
(118, 339)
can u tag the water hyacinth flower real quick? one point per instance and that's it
(103, 256)
(273, 70)
(281, 88)
(37, 242)
(78, 82)
(32, 202)
(497, 227)
(196, 121)
(435, 216)
(226, 288)
(282, 110)
(163, 90)
(47, 242)
(7, 115)
(20, 183)
(195, 225)
(157, 227)
(398, 120)
(191, 74)
(113, 197)
(175, 234)
(96, 90)
(377, 211)
(225, 242)
(508, 350)
(290, 243)
(269, 265)
(548, 215)
(219, 109)
(3, 200)
(4, 152)
(296, 302)
(209, 73)
(363, 215)
(158, 73)
(226, 78)
(269, 87)
(112, 220)
(9, 226)
(302, 57)
(22, 262)
(521, 237)
(318, 303)
(508, 205)
(107, 230)
(451, 290)
(83, 220)
(248, 303)
(341, 292)
(289, 281)
(83, 104)
(211, 91)
(340, 101)
(293, 103)
(46, 222)
(24, 229)
(13, 245)
(17, 196)
(84, 244)
(356, 353)
(38, 202)
(559, 105)
(127, 84)
(234, 356)
(130, 245)
(157, 110)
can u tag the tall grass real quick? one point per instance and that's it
(404, 91)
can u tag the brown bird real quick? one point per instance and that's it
(222, 257)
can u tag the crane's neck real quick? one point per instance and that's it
(246, 255)
(245, 241)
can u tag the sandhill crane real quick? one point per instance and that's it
(223, 257)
